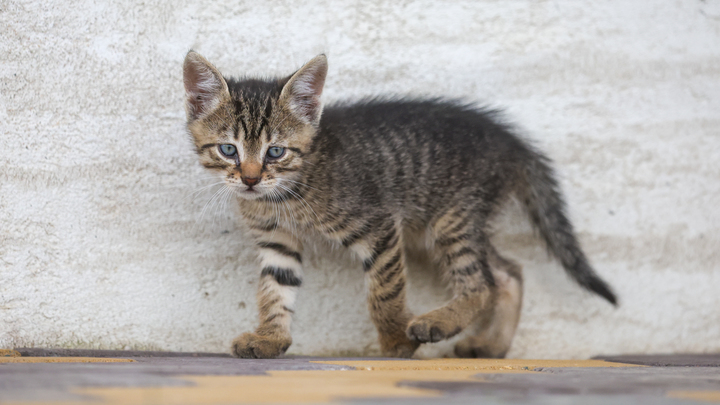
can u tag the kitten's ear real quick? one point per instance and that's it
(301, 94)
(205, 87)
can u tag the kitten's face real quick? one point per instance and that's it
(254, 134)
(256, 155)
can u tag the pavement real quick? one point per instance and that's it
(98, 377)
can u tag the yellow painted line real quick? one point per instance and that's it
(279, 387)
(9, 353)
(62, 360)
(476, 365)
(705, 396)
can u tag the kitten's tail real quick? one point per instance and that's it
(546, 207)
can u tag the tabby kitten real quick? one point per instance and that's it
(373, 176)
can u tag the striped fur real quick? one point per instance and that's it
(370, 176)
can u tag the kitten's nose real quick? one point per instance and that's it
(250, 181)
(250, 173)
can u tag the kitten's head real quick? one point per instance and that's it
(255, 134)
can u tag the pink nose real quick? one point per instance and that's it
(250, 181)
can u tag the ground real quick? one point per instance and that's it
(95, 377)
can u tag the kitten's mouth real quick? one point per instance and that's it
(250, 193)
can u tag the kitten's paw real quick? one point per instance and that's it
(431, 328)
(254, 346)
(400, 346)
(473, 347)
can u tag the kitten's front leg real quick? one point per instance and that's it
(280, 277)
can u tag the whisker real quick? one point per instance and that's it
(302, 184)
(212, 210)
(277, 200)
(306, 204)
(287, 208)
(222, 204)
(206, 178)
(201, 189)
(205, 207)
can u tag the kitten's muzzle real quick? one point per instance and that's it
(250, 173)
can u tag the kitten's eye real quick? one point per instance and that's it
(276, 152)
(228, 150)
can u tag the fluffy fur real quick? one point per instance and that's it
(372, 176)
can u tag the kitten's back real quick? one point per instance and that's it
(420, 157)
(435, 151)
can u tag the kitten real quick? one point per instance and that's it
(371, 176)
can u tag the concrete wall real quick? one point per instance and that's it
(109, 240)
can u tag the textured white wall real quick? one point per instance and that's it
(102, 241)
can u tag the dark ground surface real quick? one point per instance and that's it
(668, 360)
(659, 382)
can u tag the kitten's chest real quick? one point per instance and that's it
(297, 217)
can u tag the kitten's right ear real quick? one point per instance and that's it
(205, 87)
(303, 89)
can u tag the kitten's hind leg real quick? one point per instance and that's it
(383, 258)
(495, 332)
(461, 250)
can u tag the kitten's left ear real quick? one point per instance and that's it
(301, 94)
(205, 87)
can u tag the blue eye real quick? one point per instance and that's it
(228, 150)
(276, 152)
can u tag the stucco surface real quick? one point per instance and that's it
(109, 240)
